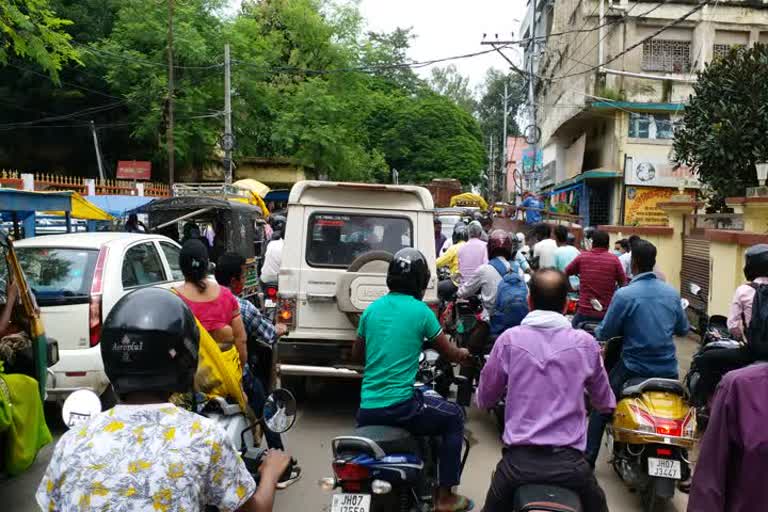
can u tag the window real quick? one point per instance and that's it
(720, 50)
(172, 255)
(669, 56)
(58, 276)
(650, 126)
(335, 240)
(142, 266)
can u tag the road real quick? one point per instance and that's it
(328, 411)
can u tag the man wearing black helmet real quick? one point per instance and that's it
(391, 334)
(145, 453)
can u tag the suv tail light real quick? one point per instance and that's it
(94, 308)
(286, 313)
(272, 292)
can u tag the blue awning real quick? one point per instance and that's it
(119, 206)
(277, 195)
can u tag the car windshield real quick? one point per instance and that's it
(56, 275)
(336, 240)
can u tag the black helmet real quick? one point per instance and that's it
(150, 342)
(277, 222)
(408, 273)
(756, 262)
(460, 233)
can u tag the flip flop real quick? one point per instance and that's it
(463, 504)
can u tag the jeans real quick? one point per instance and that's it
(426, 415)
(254, 390)
(617, 377)
(561, 466)
(578, 318)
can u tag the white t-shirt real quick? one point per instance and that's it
(145, 457)
(271, 268)
(545, 251)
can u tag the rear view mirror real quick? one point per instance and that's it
(694, 288)
(80, 407)
(280, 411)
(596, 305)
(684, 303)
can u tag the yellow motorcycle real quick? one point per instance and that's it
(652, 431)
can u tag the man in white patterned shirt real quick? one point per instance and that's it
(145, 453)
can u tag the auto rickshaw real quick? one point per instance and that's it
(230, 226)
(25, 356)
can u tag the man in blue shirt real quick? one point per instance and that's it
(648, 314)
(531, 201)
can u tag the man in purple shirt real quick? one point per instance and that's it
(733, 462)
(473, 253)
(544, 365)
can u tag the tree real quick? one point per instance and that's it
(449, 82)
(31, 30)
(723, 133)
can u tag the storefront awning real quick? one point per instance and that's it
(576, 181)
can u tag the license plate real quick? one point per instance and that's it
(664, 468)
(269, 303)
(351, 503)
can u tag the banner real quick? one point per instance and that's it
(651, 171)
(133, 170)
(640, 207)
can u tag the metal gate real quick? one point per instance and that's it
(695, 264)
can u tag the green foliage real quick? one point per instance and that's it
(31, 30)
(725, 122)
(449, 82)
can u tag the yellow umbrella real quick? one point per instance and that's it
(469, 199)
(252, 185)
(82, 209)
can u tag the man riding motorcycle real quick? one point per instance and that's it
(391, 334)
(756, 273)
(543, 367)
(146, 453)
(446, 287)
(473, 253)
(647, 313)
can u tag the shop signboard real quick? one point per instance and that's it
(641, 205)
(652, 171)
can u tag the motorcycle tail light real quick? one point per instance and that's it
(351, 476)
(272, 292)
(287, 312)
(571, 309)
(667, 427)
(664, 452)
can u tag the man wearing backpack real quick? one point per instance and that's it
(502, 289)
(756, 273)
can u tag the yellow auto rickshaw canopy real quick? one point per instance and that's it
(469, 199)
(81, 208)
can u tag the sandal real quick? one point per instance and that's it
(462, 504)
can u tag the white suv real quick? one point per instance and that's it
(339, 240)
(77, 278)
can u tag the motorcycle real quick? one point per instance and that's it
(382, 468)
(710, 328)
(278, 415)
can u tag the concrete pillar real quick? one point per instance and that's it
(676, 212)
(725, 274)
(140, 189)
(756, 215)
(29, 181)
(90, 185)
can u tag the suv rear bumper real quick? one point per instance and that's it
(317, 359)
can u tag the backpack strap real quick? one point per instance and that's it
(502, 267)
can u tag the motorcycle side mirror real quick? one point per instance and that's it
(80, 407)
(694, 288)
(596, 305)
(430, 356)
(279, 411)
(684, 303)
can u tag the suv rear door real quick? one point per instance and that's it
(334, 239)
(60, 278)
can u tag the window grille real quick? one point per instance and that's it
(669, 56)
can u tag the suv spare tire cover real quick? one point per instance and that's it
(371, 262)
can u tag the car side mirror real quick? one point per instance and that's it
(80, 407)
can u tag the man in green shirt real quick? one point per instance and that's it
(391, 335)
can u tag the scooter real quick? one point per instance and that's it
(278, 415)
(387, 469)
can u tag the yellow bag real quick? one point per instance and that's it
(219, 373)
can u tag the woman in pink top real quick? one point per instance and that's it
(214, 306)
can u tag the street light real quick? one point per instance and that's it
(762, 173)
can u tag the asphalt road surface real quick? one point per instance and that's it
(328, 411)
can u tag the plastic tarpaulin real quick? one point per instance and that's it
(252, 185)
(469, 199)
(253, 200)
(82, 208)
(118, 206)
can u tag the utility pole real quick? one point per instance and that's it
(98, 151)
(228, 140)
(532, 92)
(169, 128)
(491, 168)
(505, 106)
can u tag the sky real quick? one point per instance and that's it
(444, 28)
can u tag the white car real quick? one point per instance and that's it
(77, 278)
